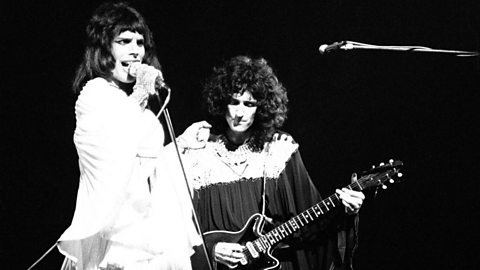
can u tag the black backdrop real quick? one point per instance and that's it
(348, 110)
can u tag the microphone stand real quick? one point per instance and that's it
(174, 141)
(352, 45)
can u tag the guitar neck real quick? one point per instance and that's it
(294, 224)
(374, 177)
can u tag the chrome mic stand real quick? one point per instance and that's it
(174, 141)
(352, 45)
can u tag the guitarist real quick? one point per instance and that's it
(250, 167)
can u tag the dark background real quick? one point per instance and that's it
(348, 110)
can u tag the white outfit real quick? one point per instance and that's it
(133, 208)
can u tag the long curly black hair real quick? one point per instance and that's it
(240, 74)
(108, 21)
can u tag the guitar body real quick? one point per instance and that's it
(258, 247)
(251, 231)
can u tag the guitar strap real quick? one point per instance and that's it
(267, 153)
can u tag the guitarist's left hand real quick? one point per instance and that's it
(229, 254)
(352, 199)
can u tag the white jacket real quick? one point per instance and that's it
(132, 203)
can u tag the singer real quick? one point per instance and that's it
(129, 214)
(251, 167)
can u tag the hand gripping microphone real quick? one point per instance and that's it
(134, 69)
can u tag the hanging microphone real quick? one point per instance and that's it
(350, 45)
(324, 49)
(159, 81)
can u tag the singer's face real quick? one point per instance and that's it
(241, 112)
(127, 47)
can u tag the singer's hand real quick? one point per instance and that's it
(145, 82)
(195, 136)
(146, 76)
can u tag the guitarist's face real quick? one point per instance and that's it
(241, 112)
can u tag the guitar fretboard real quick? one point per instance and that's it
(311, 214)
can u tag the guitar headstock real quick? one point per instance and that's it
(380, 175)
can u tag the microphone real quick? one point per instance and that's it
(135, 68)
(324, 49)
(159, 82)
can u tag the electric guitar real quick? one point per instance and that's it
(258, 247)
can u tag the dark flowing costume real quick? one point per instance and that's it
(228, 190)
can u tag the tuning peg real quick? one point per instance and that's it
(399, 174)
(382, 164)
(384, 187)
(373, 166)
(390, 161)
(391, 181)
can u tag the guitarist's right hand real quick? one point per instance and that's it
(229, 254)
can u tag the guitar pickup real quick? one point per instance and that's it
(252, 250)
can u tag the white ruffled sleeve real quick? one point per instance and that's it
(109, 130)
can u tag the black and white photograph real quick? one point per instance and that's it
(219, 135)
